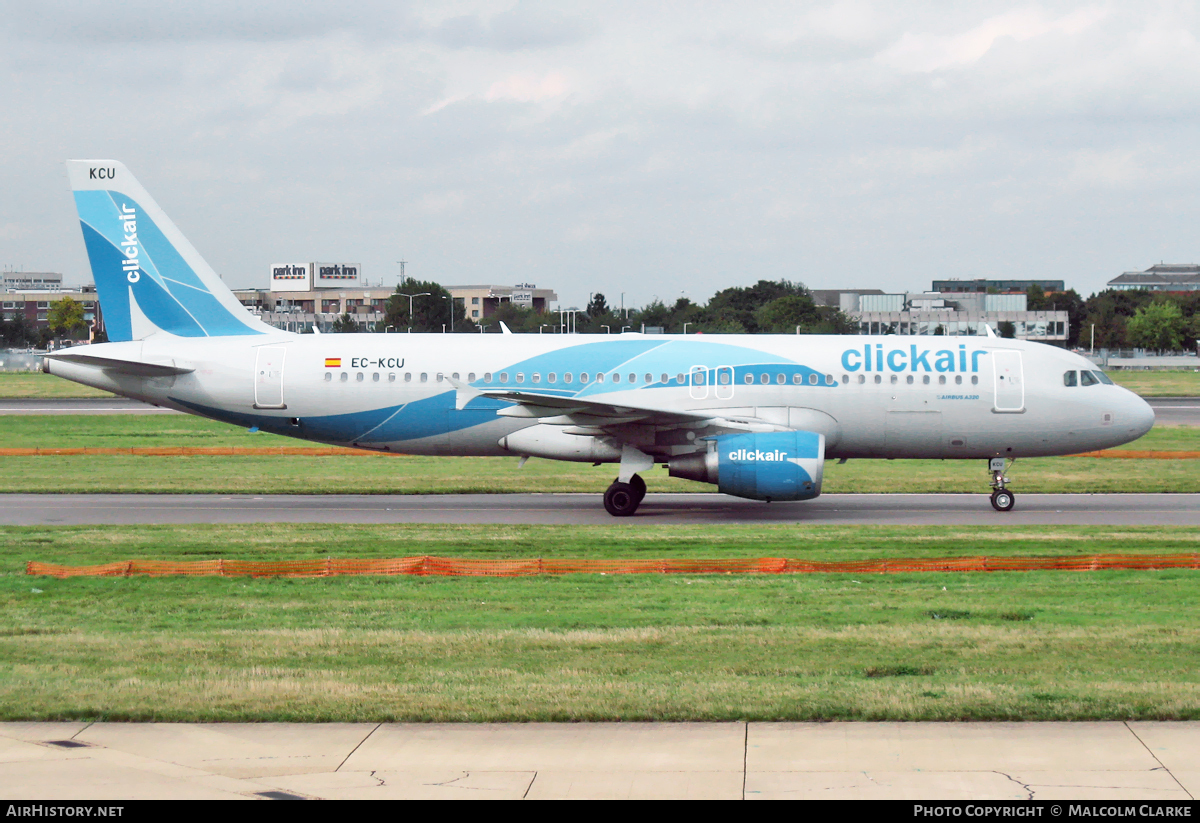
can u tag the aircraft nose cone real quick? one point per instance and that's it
(1140, 416)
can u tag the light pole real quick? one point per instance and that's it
(451, 299)
(607, 329)
(482, 326)
(410, 308)
(685, 325)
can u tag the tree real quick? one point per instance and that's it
(345, 324)
(430, 310)
(737, 306)
(1007, 329)
(66, 316)
(1159, 325)
(598, 306)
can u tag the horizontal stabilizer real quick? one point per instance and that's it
(143, 368)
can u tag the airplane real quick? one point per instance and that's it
(755, 415)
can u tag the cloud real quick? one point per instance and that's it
(930, 52)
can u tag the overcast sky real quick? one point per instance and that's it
(653, 149)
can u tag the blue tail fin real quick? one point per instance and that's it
(148, 276)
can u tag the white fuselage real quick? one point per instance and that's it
(883, 397)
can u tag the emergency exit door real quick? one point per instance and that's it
(268, 378)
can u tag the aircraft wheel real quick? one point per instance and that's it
(1003, 501)
(621, 499)
(639, 486)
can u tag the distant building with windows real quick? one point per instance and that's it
(1163, 277)
(983, 286)
(304, 295)
(948, 313)
(482, 301)
(28, 294)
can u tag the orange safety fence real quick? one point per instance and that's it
(183, 451)
(339, 451)
(462, 567)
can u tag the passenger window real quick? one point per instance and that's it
(829, 379)
(764, 378)
(536, 377)
(470, 377)
(520, 377)
(974, 380)
(359, 377)
(424, 377)
(749, 378)
(408, 377)
(455, 376)
(845, 379)
(650, 379)
(599, 377)
(439, 377)
(1070, 378)
(666, 379)
(503, 377)
(345, 377)
(633, 378)
(328, 376)
(375, 377)
(941, 379)
(862, 378)
(552, 377)
(909, 380)
(781, 378)
(391, 378)
(812, 380)
(679, 378)
(958, 379)
(487, 377)
(878, 379)
(895, 379)
(797, 379)
(567, 377)
(1086, 378)
(925, 380)
(616, 378)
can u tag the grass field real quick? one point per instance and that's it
(1159, 383)
(1146, 383)
(38, 385)
(1039, 645)
(444, 475)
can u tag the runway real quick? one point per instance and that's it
(587, 509)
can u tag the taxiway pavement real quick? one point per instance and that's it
(1156, 761)
(575, 509)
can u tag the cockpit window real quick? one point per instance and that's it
(1071, 378)
(1102, 377)
(1086, 378)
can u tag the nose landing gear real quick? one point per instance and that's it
(1002, 499)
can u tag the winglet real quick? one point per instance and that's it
(504, 329)
(987, 327)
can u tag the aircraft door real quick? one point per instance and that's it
(1010, 385)
(724, 385)
(268, 378)
(698, 382)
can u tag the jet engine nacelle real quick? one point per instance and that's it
(760, 465)
(555, 443)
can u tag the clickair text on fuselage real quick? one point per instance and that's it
(874, 358)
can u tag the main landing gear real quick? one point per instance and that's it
(623, 499)
(1002, 499)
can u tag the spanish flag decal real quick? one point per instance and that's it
(333, 362)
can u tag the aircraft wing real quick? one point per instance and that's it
(629, 423)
